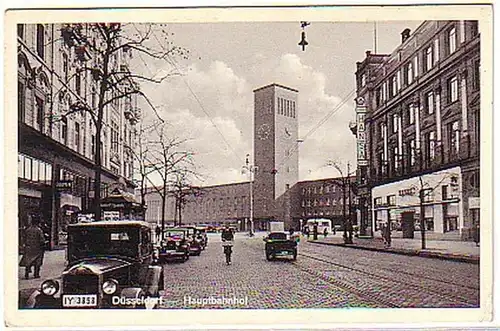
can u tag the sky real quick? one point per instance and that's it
(211, 102)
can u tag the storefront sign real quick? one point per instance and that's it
(361, 132)
(111, 215)
(64, 185)
(474, 203)
(408, 191)
(112, 205)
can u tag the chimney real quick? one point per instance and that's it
(405, 35)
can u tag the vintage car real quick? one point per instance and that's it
(106, 260)
(202, 234)
(174, 246)
(195, 243)
(278, 244)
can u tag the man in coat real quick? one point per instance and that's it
(34, 248)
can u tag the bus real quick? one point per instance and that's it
(323, 223)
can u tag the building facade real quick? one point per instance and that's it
(230, 204)
(56, 146)
(275, 152)
(421, 123)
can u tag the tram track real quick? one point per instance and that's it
(416, 275)
(463, 301)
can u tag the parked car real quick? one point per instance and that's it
(195, 243)
(202, 233)
(174, 246)
(278, 244)
(106, 259)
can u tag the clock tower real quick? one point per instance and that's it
(275, 152)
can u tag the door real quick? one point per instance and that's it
(408, 224)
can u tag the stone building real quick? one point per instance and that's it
(55, 152)
(420, 120)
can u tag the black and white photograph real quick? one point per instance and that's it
(307, 160)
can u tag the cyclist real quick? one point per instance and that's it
(227, 237)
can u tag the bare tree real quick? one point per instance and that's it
(98, 47)
(166, 159)
(346, 184)
(183, 189)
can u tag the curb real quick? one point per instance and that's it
(449, 257)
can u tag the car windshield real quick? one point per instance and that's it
(174, 233)
(89, 242)
(277, 236)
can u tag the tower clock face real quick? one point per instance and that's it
(264, 131)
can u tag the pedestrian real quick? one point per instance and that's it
(34, 248)
(315, 231)
(387, 235)
(308, 233)
(325, 232)
(158, 232)
(334, 230)
(476, 234)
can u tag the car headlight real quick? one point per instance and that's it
(50, 287)
(110, 286)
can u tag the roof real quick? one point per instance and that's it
(276, 85)
(111, 224)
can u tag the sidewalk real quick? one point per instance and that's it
(462, 251)
(53, 265)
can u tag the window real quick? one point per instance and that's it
(39, 113)
(409, 73)
(64, 130)
(431, 144)
(391, 200)
(474, 26)
(20, 31)
(327, 201)
(428, 195)
(444, 192)
(411, 114)
(303, 203)
(430, 102)
(327, 189)
(454, 137)
(452, 40)
(453, 89)
(395, 120)
(363, 80)
(428, 58)
(78, 84)
(395, 158)
(477, 75)
(65, 66)
(398, 81)
(377, 201)
(412, 152)
(293, 109)
(77, 137)
(114, 136)
(436, 51)
(92, 147)
(35, 170)
(21, 102)
(393, 87)
(40, 40)
(415, 67)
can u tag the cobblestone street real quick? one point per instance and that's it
(322, 277)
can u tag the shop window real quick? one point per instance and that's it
(429, 224)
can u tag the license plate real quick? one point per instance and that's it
(80, 300)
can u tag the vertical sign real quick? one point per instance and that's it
(361, 131)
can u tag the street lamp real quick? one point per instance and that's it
(251, 169)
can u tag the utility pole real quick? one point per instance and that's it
(251, 169)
